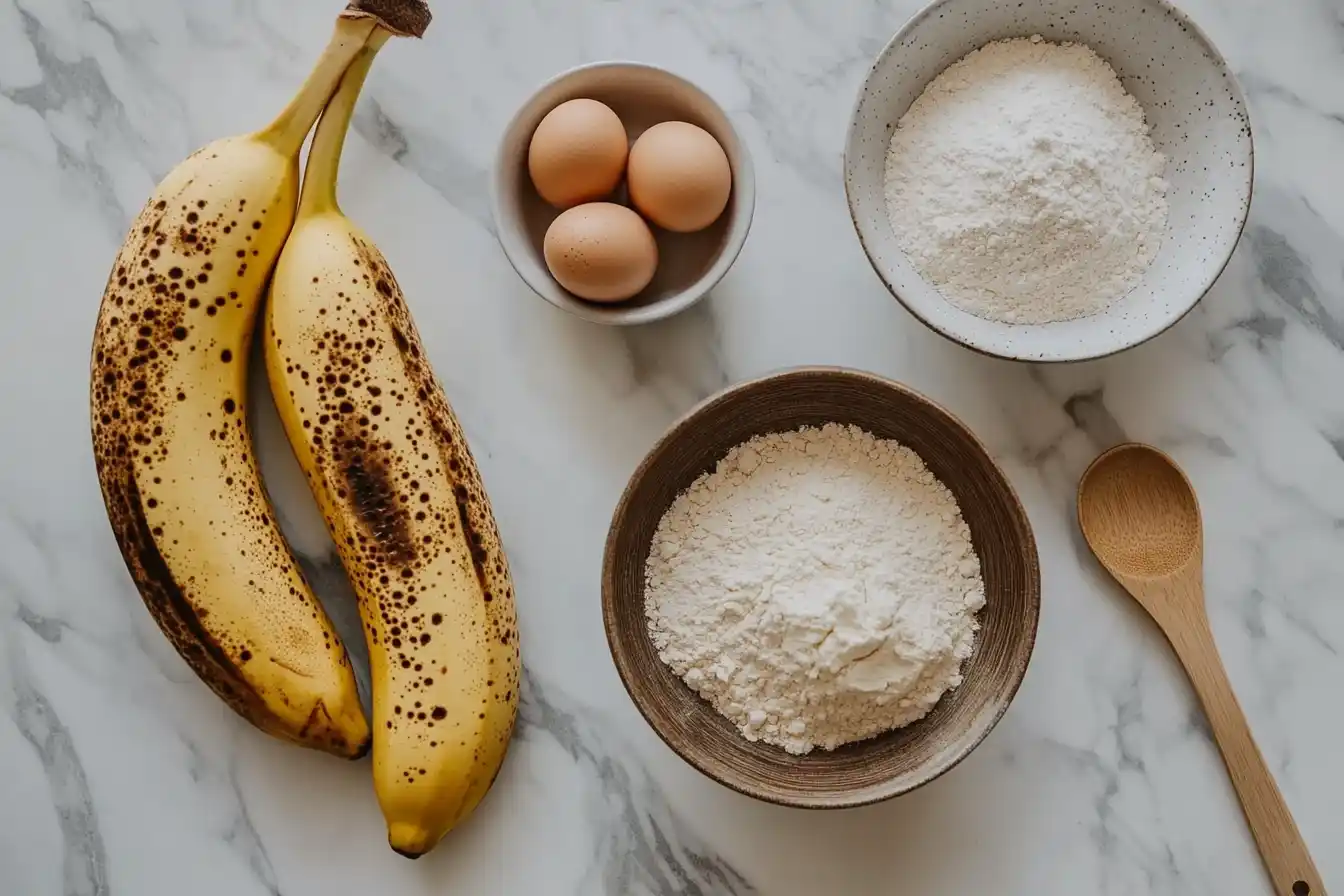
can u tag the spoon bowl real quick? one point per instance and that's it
(1140, 514)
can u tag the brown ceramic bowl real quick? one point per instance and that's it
(889, 764)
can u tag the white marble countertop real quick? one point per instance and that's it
(121, 774)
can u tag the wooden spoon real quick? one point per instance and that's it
(1140, 517)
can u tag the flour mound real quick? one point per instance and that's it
(1023, 183)
(817, 587)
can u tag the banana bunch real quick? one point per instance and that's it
(381, 449)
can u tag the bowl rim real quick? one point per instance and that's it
(1008, 353)
(1018, 511)
(743, 196)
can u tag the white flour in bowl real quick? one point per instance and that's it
(1023, 183)
(817, 587)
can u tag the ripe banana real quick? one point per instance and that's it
(170, 434)
(387, 461)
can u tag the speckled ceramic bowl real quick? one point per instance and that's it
(1198, 119)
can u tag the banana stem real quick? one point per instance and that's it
(290, 128)
(406, 18)
(324, 159)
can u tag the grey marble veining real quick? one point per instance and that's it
(642, 847)
(121, 774)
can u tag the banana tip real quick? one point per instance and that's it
(410, 840)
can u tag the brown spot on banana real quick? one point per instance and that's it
(365, 469)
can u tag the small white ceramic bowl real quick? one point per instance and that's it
(689, 264)
(1198, 118)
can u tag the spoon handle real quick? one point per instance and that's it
(1285, 854)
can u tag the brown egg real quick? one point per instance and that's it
(577, 153)
(679, 177)
(601, 251)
